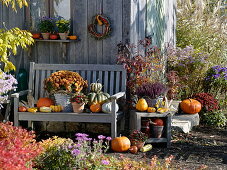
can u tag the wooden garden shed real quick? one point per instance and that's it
(131, 20)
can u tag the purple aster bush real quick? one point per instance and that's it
(190, 66)
(7, 83)
(215, 81)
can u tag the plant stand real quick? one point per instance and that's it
(137, 117)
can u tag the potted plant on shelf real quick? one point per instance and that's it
(46, 26)
(63, 27)
(138, 138)
(152, 92)
(78, 101)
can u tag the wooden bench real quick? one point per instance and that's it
(113, 78)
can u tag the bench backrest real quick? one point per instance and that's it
(113, 77)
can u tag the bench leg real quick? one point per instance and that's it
(16, 114)
(113, 129)
(31, 124)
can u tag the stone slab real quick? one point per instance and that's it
(185, 122)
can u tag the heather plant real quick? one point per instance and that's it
(215, 81)
(202, 24)
(190, 66)
(151, 90)
(208, 102)
(18, 147)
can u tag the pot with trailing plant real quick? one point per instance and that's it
(78, 101)
(152, 92)
(63, 27)
(46, 26)
(138, 138)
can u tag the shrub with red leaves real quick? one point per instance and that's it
(17, 147)
(209, 103)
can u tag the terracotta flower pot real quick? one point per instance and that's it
(63, 36)
(53, 36)
(36, 35)
(78, 108)
(45, 36)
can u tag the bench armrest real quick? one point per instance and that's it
(20, 93)
(117, 95)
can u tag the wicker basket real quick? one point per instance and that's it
(64, 100)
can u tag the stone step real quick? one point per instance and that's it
(184, 122)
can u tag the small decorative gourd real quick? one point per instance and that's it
(120, 144)
(141, 105)
(95, 87)
(151, 109)
(107, 107)
(96, 107)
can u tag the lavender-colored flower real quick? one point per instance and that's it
(76, 152)
(81, 135)
(108, 138)
(101, 137)
(105, 162)
(78, 145)
(95, 141)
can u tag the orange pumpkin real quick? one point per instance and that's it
(120, 144)
(151, 109)
(45, 101)
(96, 107)
(190, 106)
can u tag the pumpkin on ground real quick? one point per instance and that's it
(97, 97)
(120, 144)
(141, 105)
(107, 107)
(95, 87)
(96, 107)
(45, 101)
(190, 106)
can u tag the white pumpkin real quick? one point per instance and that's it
(107, 107)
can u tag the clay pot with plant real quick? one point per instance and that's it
(46, 26)
(138, 138)
(78, 102)
(63, 27)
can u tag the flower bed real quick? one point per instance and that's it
(19, 150)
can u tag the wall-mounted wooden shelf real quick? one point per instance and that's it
(60, 41)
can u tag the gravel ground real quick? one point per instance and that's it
(202, 147)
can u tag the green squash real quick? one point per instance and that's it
(96, 87)
(99, 97)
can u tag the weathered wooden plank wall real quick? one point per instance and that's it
(131, 20)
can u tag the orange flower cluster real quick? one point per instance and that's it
(65, 80)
